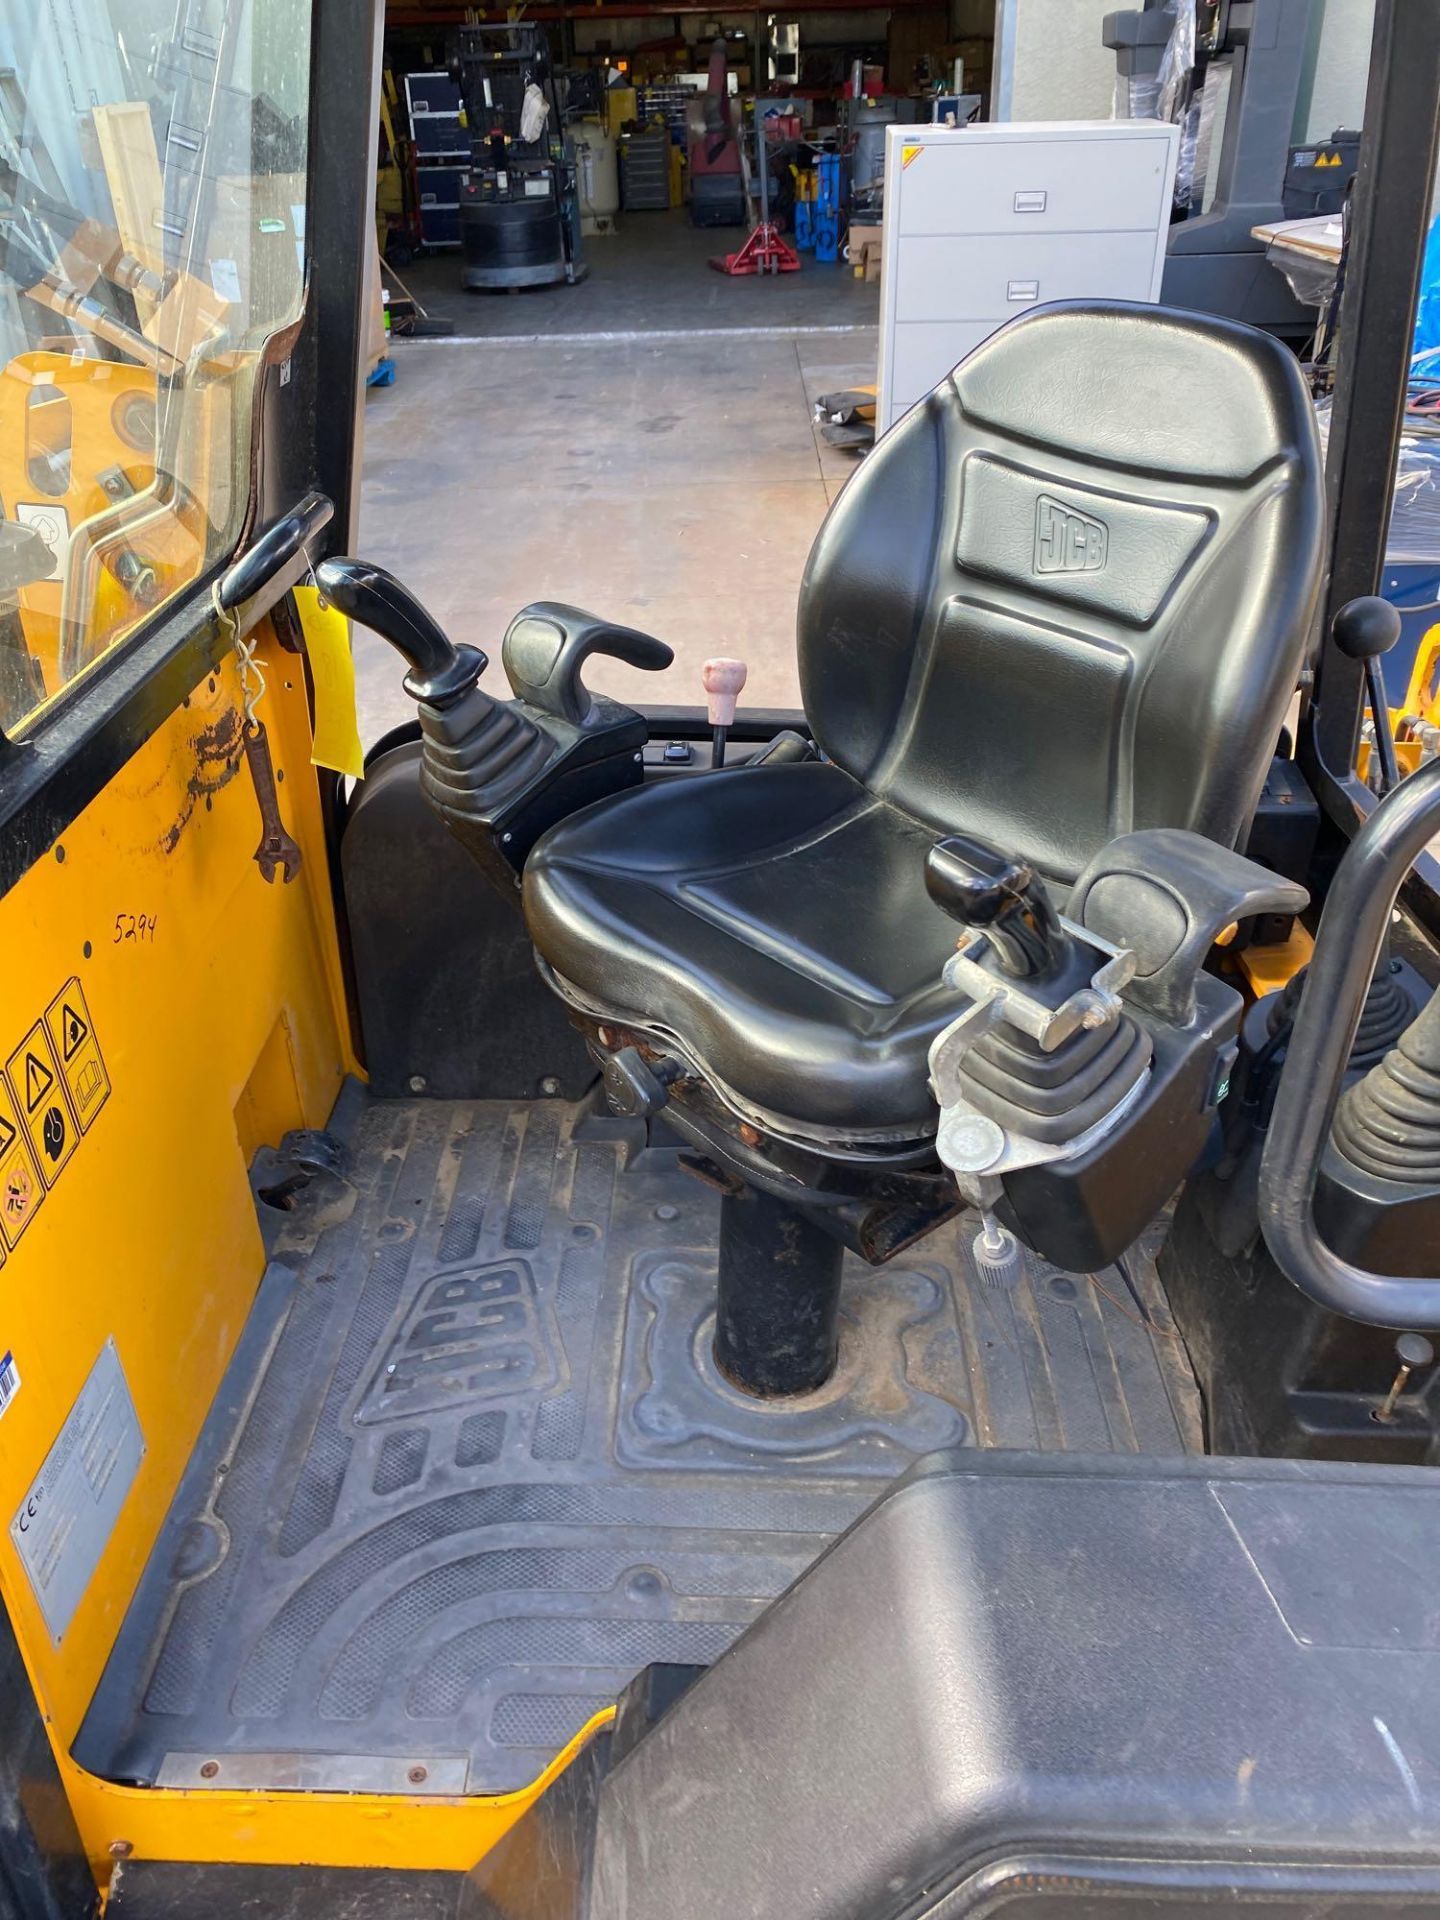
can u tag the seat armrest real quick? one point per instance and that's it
(546, 645)
(1165, 894)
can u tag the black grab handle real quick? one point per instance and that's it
(276, 559)
(1355, 921)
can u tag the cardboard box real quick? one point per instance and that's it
(862, 249)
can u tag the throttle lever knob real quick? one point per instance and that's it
(724, 680)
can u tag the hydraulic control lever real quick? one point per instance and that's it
(1365, 629)
(1003, 899)
(1077, 1090)
(500, 772)
(1042, 1053)
(440, 672)
(1024, 965)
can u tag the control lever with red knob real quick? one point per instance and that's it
(723, 680)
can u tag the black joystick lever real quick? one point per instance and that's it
(1364, 629)
(1002, 898)
(440, 672)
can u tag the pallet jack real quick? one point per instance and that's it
(764, 251)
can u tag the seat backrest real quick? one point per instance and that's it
(1069, 595)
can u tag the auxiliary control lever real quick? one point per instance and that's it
(1003, 899)
(1365, 629)
(499, 772)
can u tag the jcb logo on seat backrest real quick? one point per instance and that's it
(1067, 541)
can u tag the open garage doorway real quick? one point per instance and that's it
(556, 200)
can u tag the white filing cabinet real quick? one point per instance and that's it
(982, 222)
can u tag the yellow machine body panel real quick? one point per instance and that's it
(150, 921)
(178, 1013)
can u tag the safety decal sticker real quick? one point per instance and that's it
(36, 1086)
(72, 1037)
(9, 1380)
(53, 1086)
(21, 1189)
(51, 521)
(909, 153)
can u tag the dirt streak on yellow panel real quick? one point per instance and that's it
(185, 960)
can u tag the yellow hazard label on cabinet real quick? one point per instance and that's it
(38, 1091)
(72, 1039)
(907, 154)
(21, 1189)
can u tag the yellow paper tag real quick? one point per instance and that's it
(332, 674)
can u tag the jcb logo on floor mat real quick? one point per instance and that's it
(1067, 541)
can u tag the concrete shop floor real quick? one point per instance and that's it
(674, 484)
(650, 274)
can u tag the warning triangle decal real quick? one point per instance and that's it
(74, 1032)
(38, 1081)
(7, 1134)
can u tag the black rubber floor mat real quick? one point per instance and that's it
(472, 1466)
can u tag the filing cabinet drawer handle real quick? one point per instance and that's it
(1031, 200)
(1022, 290)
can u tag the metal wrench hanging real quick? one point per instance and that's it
(277, 848)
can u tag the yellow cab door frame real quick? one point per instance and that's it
(165, 1008)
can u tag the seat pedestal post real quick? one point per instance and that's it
(777, 1312)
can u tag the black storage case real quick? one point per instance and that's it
(1053, 1686)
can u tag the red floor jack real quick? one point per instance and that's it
(764, 251)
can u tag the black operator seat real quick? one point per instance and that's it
(1067, 597)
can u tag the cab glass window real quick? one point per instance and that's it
(152, 240)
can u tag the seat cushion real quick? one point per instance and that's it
(775, 920)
